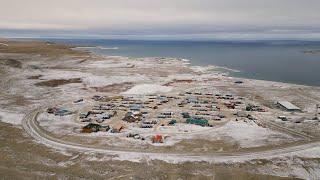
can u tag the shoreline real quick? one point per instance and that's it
(227, 71)
(88, 49)
(203, 69)
(263, 62)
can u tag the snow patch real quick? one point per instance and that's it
(11, 117)
(3, 44)
(108, 64)
(57, 74)
(142, 89)
(250, 134)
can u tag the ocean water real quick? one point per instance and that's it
(282, 61)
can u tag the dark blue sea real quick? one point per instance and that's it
(282, 61)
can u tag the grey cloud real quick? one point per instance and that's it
(167, 17)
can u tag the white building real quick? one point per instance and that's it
(288, 106)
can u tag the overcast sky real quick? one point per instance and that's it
(185, 19)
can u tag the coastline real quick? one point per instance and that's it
(264, 61)
(236, 73)
(225, 71)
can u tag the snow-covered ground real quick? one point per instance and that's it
(11, 117)
(142, 89)
(108, 64)
(63, 74)
(249, 134)
(61, 125)
(246, 134)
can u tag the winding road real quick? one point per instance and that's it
(32, 127)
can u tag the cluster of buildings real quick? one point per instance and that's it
(151, 111)
(116, 114)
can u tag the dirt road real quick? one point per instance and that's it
(32, 127)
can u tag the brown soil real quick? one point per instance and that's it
(34, 77)
(114, 88)
(178, 81)
(58, 82)
(37, 47)
(22, 158)
(11, 62)
(17, 100)
(205, 146)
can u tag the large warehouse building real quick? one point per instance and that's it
(288, 106)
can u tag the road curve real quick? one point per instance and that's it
(31, 126)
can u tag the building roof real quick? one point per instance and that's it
(288, 105)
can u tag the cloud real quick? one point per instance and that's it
(136, 17)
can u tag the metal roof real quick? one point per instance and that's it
(288, 105)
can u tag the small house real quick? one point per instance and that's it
(104, 116)
(192, 100)
(135, 107)
(283, 118)
(157, 139)
(241, 114)
(84, 115)
(91, 127)
(167, 113)
(185, 115)
(146, 125)
(216, 118)
(131, 119)
(162, 116)
(172, 122)
(230, 105)
(152, 121)
(197, 121)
